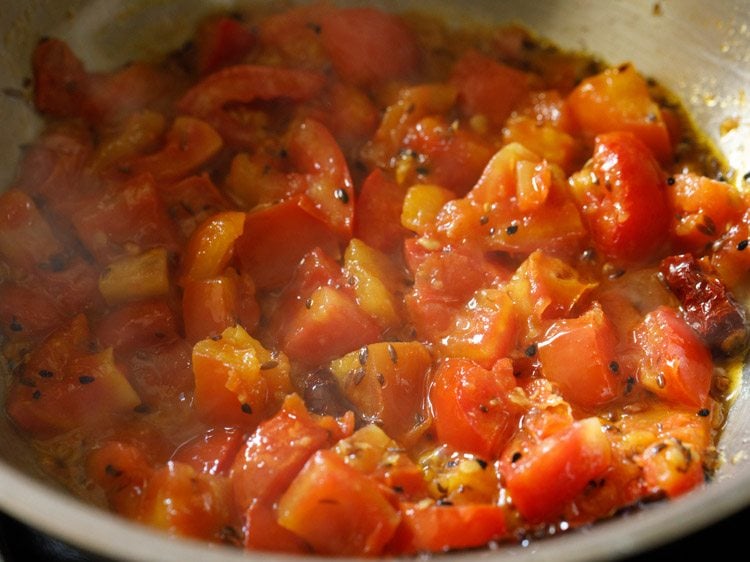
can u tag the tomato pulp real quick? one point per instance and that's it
(340, 281)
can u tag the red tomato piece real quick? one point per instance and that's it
(121, 469)
(112, 97)
(626, 209)
(444, 282)
(162, 374)
(275, 453)
(26, 239)
(439, 528)
(237, 381)
(189, 144)
(618, 100)
(131, 214)
(672, 466)
(588, 383)
(675, 364)
(211, 305)
(212, 452)
(702, 209)
(191, 201)
(336, 509)
(138, 325)
(555, 470)
(275, 240)
(471, 411)
(368, 46)
(453, 158)
(331, 326)
(378, 213)
(245, 83)
(27, 313)
(329, 189)
(211, 246)
(68, 387)
(59, 79)
(221, 41)
(184, 502)
(487, 87)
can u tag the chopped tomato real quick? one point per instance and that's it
(440, 528)
(623, 198)
(246, 83)
(384, 381)
(329, 324)
(221, 41)
(336, 509)
(329, 189)
(471, 409)
(189, 144)
(702, 209)
(265, 466)
(378, 211)
(213, 452)
(276, 238)
(138, 325)
(588, 383)
(444, 282)
(555, 470)
(368, 46)
(209, 306)
(24, 312)
(618, 100)
(675, 364)
(128, 215)
(121, 469)
(191, 201)
(237, 381)
(184, 502)
(487, 87)
(68, 387)
(26, 239)
(484, 331)
(59, 79)
(211, 246)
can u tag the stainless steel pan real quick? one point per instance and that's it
(701, 50)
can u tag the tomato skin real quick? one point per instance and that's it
(439, 528)
(378, 211)
(557, 469)
(368, 46)
(245, 83)
(675, 364)
(630, 222)
(618, 100)
(471, 411)
(336, 509)
(590, 383)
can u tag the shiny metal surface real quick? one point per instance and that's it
(700, 50)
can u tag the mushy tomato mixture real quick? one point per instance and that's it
(344, 282)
